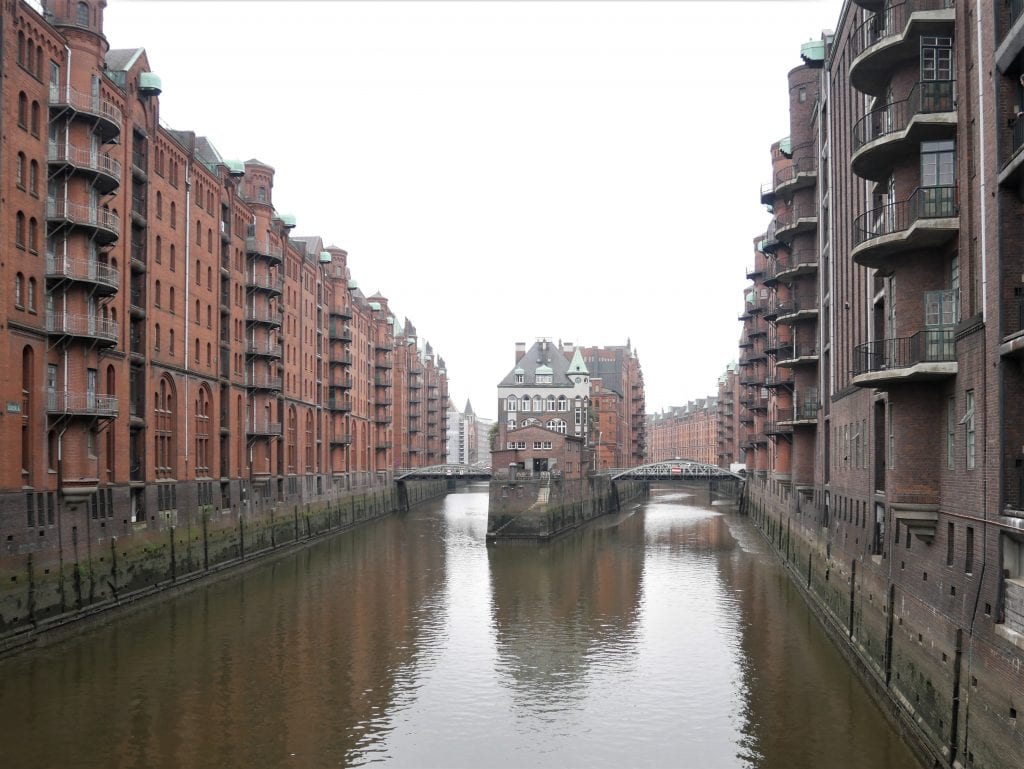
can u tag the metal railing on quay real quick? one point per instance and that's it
(926, 97)
(927, 346)
(925, 203)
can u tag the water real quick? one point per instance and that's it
(664, 636)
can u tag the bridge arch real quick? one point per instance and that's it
(674, 469)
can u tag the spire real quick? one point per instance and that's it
(469, 408)
(577, 366)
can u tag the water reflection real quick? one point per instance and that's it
(664, 636)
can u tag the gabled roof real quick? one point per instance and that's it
(122, 59)
(543, 357)
(578, 366)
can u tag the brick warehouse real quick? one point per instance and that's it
(175, 346)
(881, 373)
(685, 432)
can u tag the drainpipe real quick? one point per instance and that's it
(188, 297)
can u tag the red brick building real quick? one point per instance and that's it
(881, 375)
(685, 432)
(170, 342)
(617, 405)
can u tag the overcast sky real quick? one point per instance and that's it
(502, 171)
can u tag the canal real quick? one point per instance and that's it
(664, 636)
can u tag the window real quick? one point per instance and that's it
(22, 110)
(82, 14)
(950, 543)
(968, 420)
(35, 118)
(31, 294)
(511, 423)
(173, 260)
(19, 230)
(519, 378)
(159, 205)
(156, 294)
(19, 171)
(19, 290)
(33, 178)
(174, 215)
(170, 342)
(33, 235)
(563, 403)
(938, 175)
(170, 299)
(969, 551)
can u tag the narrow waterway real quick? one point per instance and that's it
(665, 636)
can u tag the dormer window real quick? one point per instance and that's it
(519, 378)
(543, 378)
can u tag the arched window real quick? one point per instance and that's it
(309, 441)
(21, 47)
(159, 205)
(170, 299)
(19, 170)
(563, 403)
(39, 62)
(203, 432)
(156, 294)
(33, 235)
(170, 342)
(22, 110)
(551, 403)
(199, 238)
(32, 294)
(209, 278)
(293, 456)
(558, 425)
(538, 403)
(510, 405)
(165, 423)
(82, 14)
(524, 404)
(19, 290)
(35, 118)
(209, 355)
(174, 215)
(197, 320)
(33, 178)
(209, 316)
(159, 249)
(198, 273)
(209, 240)
(156, 337)
(19, 230)
(27, 391)
(197, 351)
(173, 259)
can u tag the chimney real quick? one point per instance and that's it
(520, 351)
(568, 348)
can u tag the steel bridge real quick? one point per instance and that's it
(673, 470)
(451, 471)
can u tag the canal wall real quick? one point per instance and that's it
(88, 569)
(945, 677)
(539, 508)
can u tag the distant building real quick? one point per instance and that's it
(728, 422)
(469, 439)
(617, 404)
(685, 432)
(543, 411)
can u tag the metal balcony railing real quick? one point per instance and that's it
(267, 282)
(82, 269)
(927, 346)
(262, 382)
(889, 22)
(253, 315)
(262, 248)
(80, 157)
(86, 404)
(263, 427)
(64, 95)
(926, 97)
(805, 165)
(90, 216)
(81, 325)
(269, 349)
(925, 203)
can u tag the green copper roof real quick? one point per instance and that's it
(813, 51)
(149, 81)
(353, 285)
(235, 167)
(375, 306)
(786, 146)
(288, 220)
(325, 257)
(577, 365)
(543, 370)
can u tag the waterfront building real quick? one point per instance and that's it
(881, 358)
(469, 436)
(685, 432)
(544, 411)
(729, 453)
(617, 405)
(172, 344)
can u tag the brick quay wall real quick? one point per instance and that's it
(91, 566)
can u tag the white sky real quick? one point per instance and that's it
(585, 171)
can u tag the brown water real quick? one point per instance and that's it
(668, 636)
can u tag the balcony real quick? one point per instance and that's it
(799, 355)
(382, 419)
(339, 332)
(336, 403)
(779, 379)
(271, 284)
(1013, 339)
(262, 429)
(106, 116)
(798, 175)
(344, 312)
(266, 317)
(925, 356)
(926, 220)
(341, 359)
(105, 225)
(263, 382)
(263, 349)
(895, 131)
(1009, 33)
(341, 439)
(342, 382)
(81, 404)
(785, 267)
(797, 221)
(753, 272)
(103, 278)
(382, 381)
(1012, 173)
(768, 193)
(891, 37)
(256, 247)
(102, 330)
(770, 242)
(796, 307)
(805, 414)
(776, 429)
(103, 170)
(383, 445)
(383, 363)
